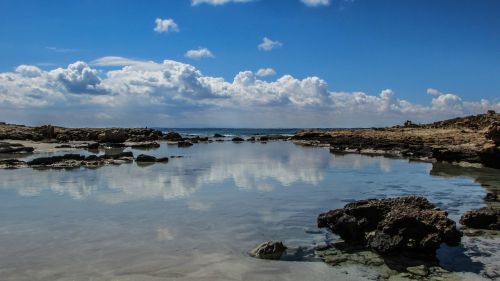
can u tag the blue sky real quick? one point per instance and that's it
(353, 46)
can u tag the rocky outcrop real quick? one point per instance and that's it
(484, 218)
(270, 250)
(150, 159)
(145, 145)
(172, 136)
(218, 135)
(403, 224)
(493, 132)
(238, 139)
(184, 144)
(8, 148)
(113, 136)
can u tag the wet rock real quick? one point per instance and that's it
(264, 138)
(47, 161)
(493, 132)
(8, 148)
(491, 197)
(121, 155)
(251, 139)
(420, 270)
(218, 136)
(237, 139)
(402, 224)
(145, 145)
(184, 144)
(172, 136)
(270, 250)
(145, 158)
(12, 164)
(93, 145)
(162, 159)
(483, 218)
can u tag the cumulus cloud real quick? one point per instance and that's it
(166, 25)
(265, 72)
(174, 93)
(315, 3)
(268, 44)
(217, 2)
(199, 53)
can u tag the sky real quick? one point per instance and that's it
(244, 63)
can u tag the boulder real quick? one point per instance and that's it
(402, 224)
(218, 136)
(493, 132)
(47, 161)
(184, 144)
(237, 139)
(145, 158)
(483, 218)
(172, 136)
(93, 145)
(270, 250)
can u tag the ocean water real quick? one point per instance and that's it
(196, 217)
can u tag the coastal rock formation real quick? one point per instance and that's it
(270, 250)
(483, 218)
(14, 148)
(218, 135)
(69, 161)
(113, 136)
(493, 132)
(403, 224)
(145, 145)
(184, 144)
(150, 159)
(238, 139)
(172, 136)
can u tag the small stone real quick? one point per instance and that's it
(270, 250)
(420, 270)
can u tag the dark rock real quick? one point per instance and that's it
(47, 131)
(14, 148)
(172, 136)
(251, 139)
(145, 158)
(491, 197)
(46, 161)
(237, 139)
(270, 250)
(264, 138)
(400, 224)
(93, 145)
(12, 164)
(145, 145)
(483, 218)
(127, 154)
(218, 136)
(493, 132)
(184, 144)
(162, 159)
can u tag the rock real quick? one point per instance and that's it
(145, 158)
(47, 161)
(113, 136)
(237, 139)
(251, 139)
(12, 164)
(184, 144)
(120, 155)
(145, 145)
(218, 136)
(483, 218)
(493, 132)
(47, 131)
(8, 148)
(264, 138)
(491, 197)
(270, 250)
(162, 159)
(93, 145)
(420, 270)
(402, 224)
(172, 136)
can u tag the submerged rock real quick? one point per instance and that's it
(145, 158)
(218, 136)
(270, 250)
(403, 224)
(237, 139)
(483, 218)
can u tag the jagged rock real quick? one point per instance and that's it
(172, 136)
(184, 144)
(400, 224)
(270, 250)
(483, 218)
(493, 132)
(145, 158)
(237, 139)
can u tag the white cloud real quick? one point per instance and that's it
(199, 53)
(265, 72)
(315, 3)
(146, 92)
(166, 25)
(217, 2)
(268, 44)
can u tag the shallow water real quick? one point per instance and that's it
(196, 217)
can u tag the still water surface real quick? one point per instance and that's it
(196, 217)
